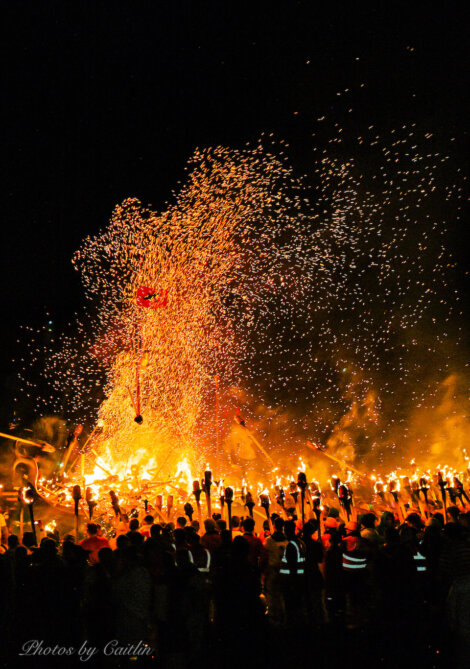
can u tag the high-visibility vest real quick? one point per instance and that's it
(420, 562)
(352, 563)
(285, 568)
(205, 569)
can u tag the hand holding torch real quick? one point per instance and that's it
(169, 506)
(458, 486)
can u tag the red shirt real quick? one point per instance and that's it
(94, 544)
(256, 548)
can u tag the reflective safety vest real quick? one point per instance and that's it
(205, 569)
(352, 563)
(420, 562)
(285, 568)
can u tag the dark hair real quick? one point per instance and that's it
(13, 541)
(235, 521)
(368, 521)
(134, 525)
(279, 524)
(122, 541)
(248, 524)
(181, 521)
(29, 540)
(92, 528)
(148, 519)
(289, 529)
(155, 530)
(221, 525)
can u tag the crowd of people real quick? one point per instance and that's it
(364, 590)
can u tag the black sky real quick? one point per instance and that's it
(106, 100)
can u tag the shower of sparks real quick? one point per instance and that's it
(321, 302)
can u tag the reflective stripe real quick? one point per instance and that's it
(350, 562)
(421, 562)
(205, 569)
(300, 561)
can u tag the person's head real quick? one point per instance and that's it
(122, 541)
(387, 519)
(136, 539)
(331, 524)
(209, 525)
(181, 522)
(13, 542)
(235, 522)
(279, 524)
(48, 547)
(180, 538)
(148, 520)
(240, 548)
(105, 557)
(368, 521)
(289, 529)
(452, 514)
(221, 525)
(196, 525)
(134, 525)
(414, 521)
(352, 527)
(155, 530)
(248, 525)
(216, 517)
(29, 540)
(333, 513)
(193, 539)
(92, 529)
(439, 518)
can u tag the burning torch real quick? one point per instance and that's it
(90, 501)
(207, 490)
(265, 502)
(197, 496)
(302, 485)
(249, 503)
(27, 495)
(228, 501)
(76, 496)
(458, 486)
(188, 509)
(115, 502)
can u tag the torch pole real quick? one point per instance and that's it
(33, 526)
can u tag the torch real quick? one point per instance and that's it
(159, 506)
(115, 503)
(188, 509)
(458, 485)
(21, 505)
(27, 497)
(441, 482)
(302, 485)
(169, 506)
(222, 499)
(207, 490)
(265, 502)
(228, 501)
(90, 501)
(379, 489)
(249, 503)
(280, 497)
(197, 495)
(77, 496)
(345, 498)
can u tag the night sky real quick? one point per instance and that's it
(106, 100)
